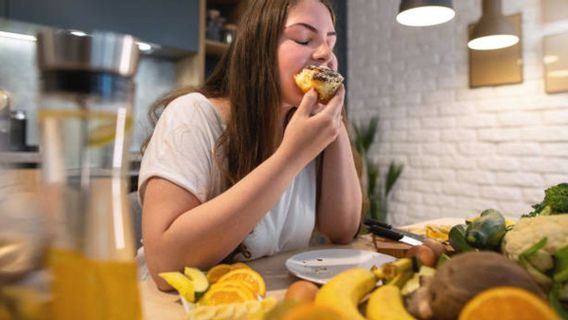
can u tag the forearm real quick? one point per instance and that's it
(206, 234)
(339, 207)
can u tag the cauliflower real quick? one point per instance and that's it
(529, 231)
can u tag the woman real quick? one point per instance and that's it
(232, 168)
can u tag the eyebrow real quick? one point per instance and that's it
(310, 27)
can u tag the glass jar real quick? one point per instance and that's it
(86, 100)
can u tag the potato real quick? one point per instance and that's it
(467, 274)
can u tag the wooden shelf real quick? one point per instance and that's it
(215, 48)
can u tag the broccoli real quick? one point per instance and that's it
(555, 202)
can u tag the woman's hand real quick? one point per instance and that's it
(314, 125)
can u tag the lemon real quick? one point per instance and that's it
(181, 283)
(200, 282)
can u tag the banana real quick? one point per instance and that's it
(386, 303)
(344, 291)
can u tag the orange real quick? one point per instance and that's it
(302, 291)
(245, 287)
(247, 275)
(311, 311)
(226, 295)
(239, 265)
(217, 272)
(507, 303)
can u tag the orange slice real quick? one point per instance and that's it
(247, 275)
(507, 303)
(239, 265)
(241, 285)
(216, 296)
(217, 272)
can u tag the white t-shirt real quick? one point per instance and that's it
(181, 151)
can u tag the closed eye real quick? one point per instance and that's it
(303, 43)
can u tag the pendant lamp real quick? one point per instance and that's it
(493, 30)
(421, 13)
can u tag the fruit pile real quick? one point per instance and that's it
(427, 284)
(226, 291)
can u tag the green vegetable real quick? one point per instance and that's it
(557, 305)
(555, 201)
(457, 240)
(487, 231)
(561, 265)
(442, 259)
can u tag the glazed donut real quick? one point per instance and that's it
(324, 80)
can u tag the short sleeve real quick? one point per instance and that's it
(181, 148)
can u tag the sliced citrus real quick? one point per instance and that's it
(181, 283)
(215, 296)
(312, 311)
(202, 313)
(217, 272)
(241, 285)
(239, 265)
(248, 275)
(507, 303)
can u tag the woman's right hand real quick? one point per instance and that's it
(314, 125)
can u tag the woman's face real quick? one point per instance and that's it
(308, 38)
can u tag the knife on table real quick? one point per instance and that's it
(387, 231)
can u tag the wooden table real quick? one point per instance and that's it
(161, 305)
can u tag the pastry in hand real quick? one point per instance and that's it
(324, 80)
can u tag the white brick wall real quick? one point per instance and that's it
(464, 149)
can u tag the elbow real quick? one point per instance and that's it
(341, 239)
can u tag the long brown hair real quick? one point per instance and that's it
(247, 76)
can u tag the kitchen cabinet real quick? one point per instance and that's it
(193, 70)
(3, 8)
(169, 23)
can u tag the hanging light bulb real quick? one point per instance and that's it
(421, 13)
(493, 30)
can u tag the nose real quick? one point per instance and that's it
(323, 53)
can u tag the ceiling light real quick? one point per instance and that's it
(421, 13)
(143, 46)
(78, 33)
(493, 30)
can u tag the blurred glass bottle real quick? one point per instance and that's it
(87, 93)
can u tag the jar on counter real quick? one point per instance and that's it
(18, 125)
(87, 96)
(214, 28)
(229, 33)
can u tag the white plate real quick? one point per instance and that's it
(321, 265)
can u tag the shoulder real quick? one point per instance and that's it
(191, 108)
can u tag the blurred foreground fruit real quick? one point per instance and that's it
(249, 310)
(507, 303)
(312, 311)
(302, 291)
(385, 303)
(344, 291)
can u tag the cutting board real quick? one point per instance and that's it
(390, 247)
